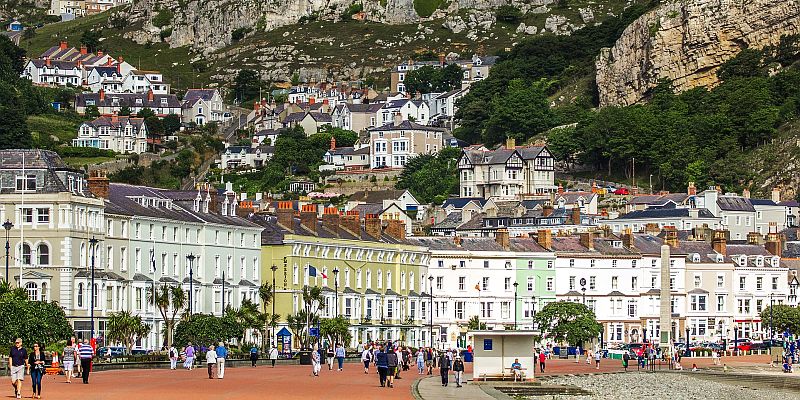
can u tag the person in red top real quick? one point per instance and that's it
(542, 359)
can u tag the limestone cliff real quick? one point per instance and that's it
(686, 42)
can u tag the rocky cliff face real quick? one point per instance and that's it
(686, 41)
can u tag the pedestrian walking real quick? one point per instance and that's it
(458, 369)
(253, 355)
(173, 357)
(625, 359)
(420, 361)
(382, 361)
(715, 357)
(316, 363)
(211, 361)
(36, 366)
(76, 346)
(542, 358)
(86, 352)
(366, 358)
(391, 363)
(68, 357)
(597, 356)
(329, 356)
(429, 360)
(222, 353)
(588, 357)
(399, 354)
(444, 368)
(578, 354)
(273, 355)
(340, 355)
(17, 363)
(189, 350)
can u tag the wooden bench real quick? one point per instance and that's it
(503, 375)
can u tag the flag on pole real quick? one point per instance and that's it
(323, 275)
(312, 271)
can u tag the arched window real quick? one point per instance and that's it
(95, 294)
(80, 295)
(26, 254)
(83, 254)
(33, 291)
(43, 252)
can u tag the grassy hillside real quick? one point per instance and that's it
(319, 45)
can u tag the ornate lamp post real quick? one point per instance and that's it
(430, 288)
(736, 339)
(191, 258)
(93, 249)
(336, 291)
(515, 305)
(7, 226)
(273, 268)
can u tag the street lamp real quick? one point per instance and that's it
(688, 352)
(430, 289)
(191, 258)
(93, 249)
(533, 307)
(336, 291)
(515, 305)
(583, 290)
(771, 332)
(736, 338)
(273, 268)
(7, 225)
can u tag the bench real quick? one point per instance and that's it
(503, 375)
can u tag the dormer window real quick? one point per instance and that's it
(742, 260)
(138, 102)
(720, 258)
(759, 261)
(775, 261)
(617, 244)
(695, 258)
(26, 183)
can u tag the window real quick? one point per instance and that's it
(697, 281)
(744, 306)
(572, 263)
(592, 282)
(698, 302)
(633, 263)
(505, 311)
(530, 264)
(485, 283)
(459, 307)
(634, 282)
(462, 282)
(550, 264)
(26, 215)
(80, 295)
(26, 254)
(759, 306)
(572, 283)
(742, 282)
(632, 308)
(720, 281)
(614, 282)
(613, 263)
(440, 263)
(774, 283)
(33, 291)
(486, 309)
(720, 303)
(759, 283)
(485, 264)
(507, 283)
(530, 283)
(27, 182)
(551, 284)
(43, 252)
(439, 283)
(43, 215)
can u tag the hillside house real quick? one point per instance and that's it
(119, 134)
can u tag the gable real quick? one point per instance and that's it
(544, 153)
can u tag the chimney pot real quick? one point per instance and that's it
(503, 239)
(396, 229)
(587, 240)
(691, 190)
(545, 238)
(98, 184)
(372, 225)
(719, 242)
(308, 217)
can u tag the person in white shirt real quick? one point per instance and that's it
(173, 357)
(273, 355)
(366, 358)
(211, 361)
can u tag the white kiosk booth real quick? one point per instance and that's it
(495, 351)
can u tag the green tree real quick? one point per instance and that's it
(124, 111)
(126, 328)
(475, 324)
(522, 112)
(207, 329)
(92, 112)
(170, 301)
(172, 123)
(430, 176)
(567, 322)
(781, 317)
(247, 86)
(14, 132)
(420, 80)
(32, 321)
(336, 329)
(746, 64)
(145, 113)
(91, 39)
(508, 13)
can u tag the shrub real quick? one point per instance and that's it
(425, 8)
(239, 33)
(163, 18)
(165, 33)
(83, 152)
(508, 13)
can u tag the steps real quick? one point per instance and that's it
(541, 390)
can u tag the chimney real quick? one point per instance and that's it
(150, 96)
(753, 238)
(372, 225)
(398, 119)
(308, 217)
(691, 190)
(351, 223)
(120, 59)
(102, 94)
(256, 106)
(457, 240)
(774, 244)
(746, 193)
(587, 240)
(330, 219)
(108, 61)
(79, 63)
(628, 238)
(286, 215)
(441, 59)
(545, 238)
(99, 53)
(547, 210)
(98, 184)
(333, 143)
(311, 100)
(502, 238)
(119, 69)
(719, 242)
(576, 216)
(776, 195)
(114, 117)
(670, 236)
(84, 51)
(510, 143)
(63, 45)
(651, 228)
(396, 229)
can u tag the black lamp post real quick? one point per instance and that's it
(771, 332)
(515, 305)
(273, 268)
(583, 290)
(7, 226)
(191, 258)
(688, 352)
(736, 339)
(533, 307)
(430, 288)
(93, 249)
(335, 291)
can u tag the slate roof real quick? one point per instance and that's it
(349, 151)
(116, 122)
(461, 202)
(49, 166)
(501, 155)
(376, 196)
(274, 232)
(665, 213)
(34, 159)
(735, 203)
(406, 126)
(368, 208)
(106, 70)
(193, 95)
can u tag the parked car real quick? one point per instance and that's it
(116, 351)
(766, 344)
(622, 191)
(741, 344)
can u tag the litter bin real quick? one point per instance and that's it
(305, 357)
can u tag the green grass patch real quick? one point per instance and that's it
(81, 162)
(425, 8)
(163, 18)
(63, 127)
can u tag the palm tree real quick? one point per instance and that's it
(169, 300)
(126, 328)
(265, 293)
(314, 301)
(6, 290)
